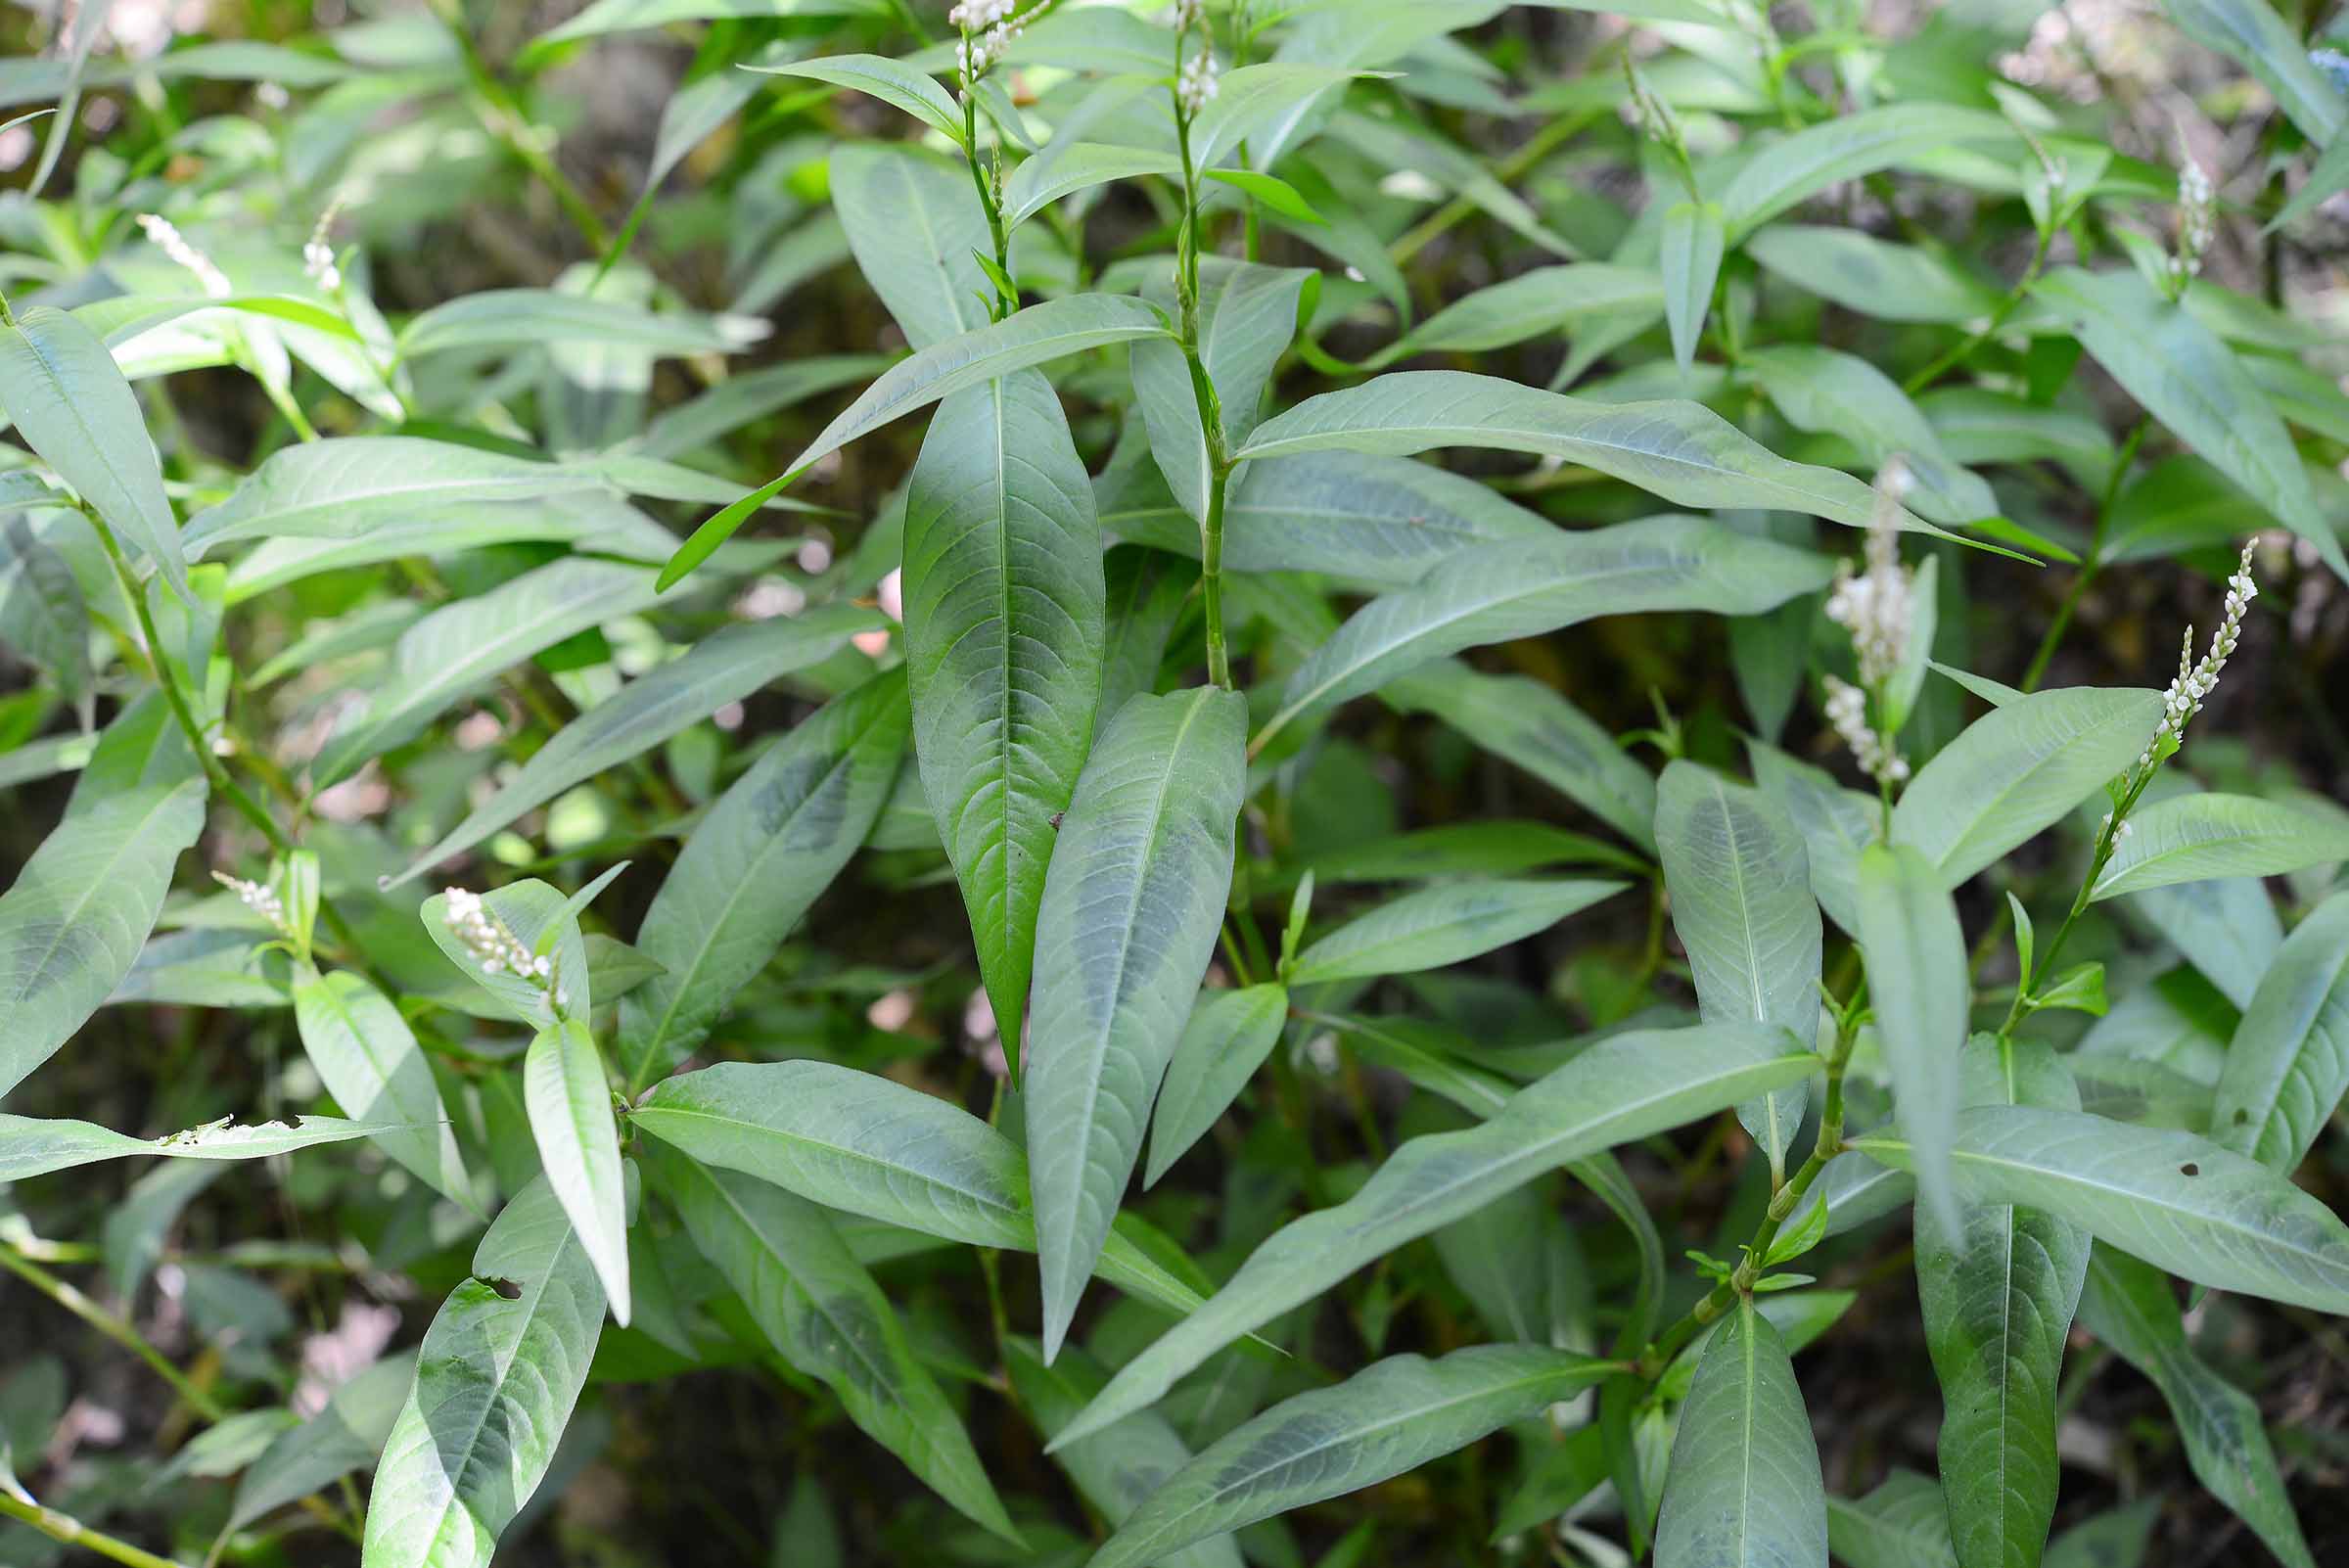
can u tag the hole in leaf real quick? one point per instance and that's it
(2189, 1169)
(510, 1289)
(2242, 1117)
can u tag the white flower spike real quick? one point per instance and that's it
(165, 235)
(2196, 682)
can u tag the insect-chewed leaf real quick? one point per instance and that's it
(1229, 1034)
(811, 1298)
(2173, 1198)
(72, 922)
(1622, 1088)
(2130, 1306)
(1997, 1297)
(30, 1146)
(2197, 837)
(368, 1059)
(770, 845)
(495, 1383)
(1394, 1416)
(1917, 978)
(1132, 904)
(856, 1142)
(1741, 904)
(1743, 1486)
(1004, 595)
(72, 405)
(2017, 770)
(1501, 592)
(569, 1105)
(1444, 924)
(2289, 1064)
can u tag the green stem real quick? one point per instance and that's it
(72, 1531)
(113, 1327)
(2108, 837)
(1004, 306)
(1203, 393)
(2090, 564)
(1998, 319)
(1547, 140)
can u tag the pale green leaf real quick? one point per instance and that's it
(568, 1099)
(1917, 982)
(30, 1147)
(1744, 1486)
(1693, 237)
(2197, 837)
(368, 1059)
(1225, 1040)
(893, 81)
(1444, 924)
(2289, 1064)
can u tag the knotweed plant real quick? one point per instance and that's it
(1235, 782)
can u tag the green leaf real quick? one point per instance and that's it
(2289, 1064)
(462, 646)
(2197, 837)
(1260, 105)
(72, 405)
(1064, 171)
(1902, 1524)
(1824, 389)
(1493, 848)
(1226, 1038)
(1444, 924)
(1871, 276)
(1744, 1485)
(1523, 721)
(1004, 596)
(570, 1105)
(2131, 1307)
(1620, 1089)
(2175, 1199)
(1693, 237)
(893, 81)
(510, 319)
(368, 1059)
(1798, 167)
(349, 487)
(1741, 905)
(1147, 591)
(1532, 304)
(1917, 982)
(495, 1383)
(538, 916)
(346, 1436)
(1998, 1297)
(1836, 824)
(2195, 384)
(1119, 1469)
(1247, 315)
(1681, 451)
(859, 1143)
(1272, 191)
(2017, 770)
(1038, 335)
(72, 922)
(2255, 37)
(754, 862)
(1389, 1419)
(30, 1147)
(1502, 592)
(822, 1310)
(1132, 904)
(726, 666)
(915, 227)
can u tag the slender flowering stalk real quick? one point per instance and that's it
(318, 255)
(1198, 85)
(2195, 681)
(2197, 222)
(260, 897)
(498, 950)
(989, 28)
(1877, 606)
(1847, 709)
(165, 235)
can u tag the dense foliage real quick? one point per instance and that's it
(1118, 964)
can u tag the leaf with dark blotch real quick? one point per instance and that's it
(2289, 1064)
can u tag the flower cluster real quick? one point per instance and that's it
(318, 255)
(1847, 711)
(2197, 218)
(988, 30)
(1877, 606)
(259, 896)
(2195, 681)
(1649, 114)
(1198, 85)
(166, 238)
(498, 950)
(1187, 14)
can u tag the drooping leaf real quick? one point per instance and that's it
(569, 1105)
(1004, 607)
(1444, 924)
(499, 1371)
(368, 1059)
(1917, 982)
(30, 1146)
(757, 860)
(891, 81)
(1620, 1089)
(1389, 1419)
(1131, 905)
(2197, 837)
(1226, 1038)
(1744, 1485)
(2289, 1064)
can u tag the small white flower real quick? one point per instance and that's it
(1187, 12)
(1847, 712)
(318, 255)
(2197, 681)
(166, 238)
(2197, 217)
(1877, 606)
(977, 15)
(497, 948)
(1198, 85)
(260, 897)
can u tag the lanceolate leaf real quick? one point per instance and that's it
(1004, 596)
(369, 1061)
(1741, 904)
(2289, 1063)
(1681, 451)
(569, 1105)
(2197, 837)
(2131, 1307)
(1998, 1297)
(1620, 1089)
(1227, 1037)
(1247, 314)
(351, 485)
(72, 922)
(495, 1383)
(770, 845)
(2175, 1199)
(860, 1142)
(1902, 1524)
(2266, 45)
(30, 1147)
(1917, 982)
(1390, 1418)
(72, 405)
(1744, 1485)
(1691, 261)
(810, 1297)
(2017, 770)
(1501, 592)
(1134, 896)
(1440, 925)
(1036, 336)
(894, 82)
(1848, 147)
